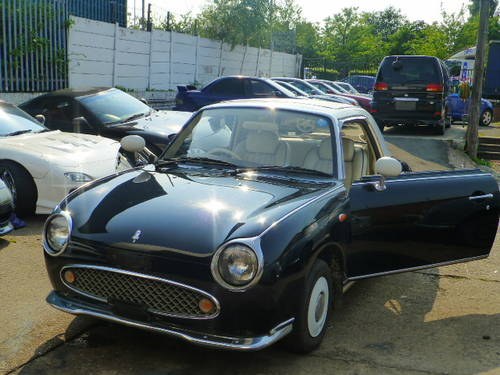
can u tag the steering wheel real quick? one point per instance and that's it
(305, 127)
(225, 151)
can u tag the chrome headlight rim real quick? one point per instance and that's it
(254, 245)
(69, 222)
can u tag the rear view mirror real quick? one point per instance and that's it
(133, 143)
(40, 119)
(388, 167)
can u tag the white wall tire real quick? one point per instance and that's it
(323, 286)
(319, 302)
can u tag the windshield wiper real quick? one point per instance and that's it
(18, 132)
(196, 159)
(133, 117)
(282, 168)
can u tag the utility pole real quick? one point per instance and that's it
(477, 82)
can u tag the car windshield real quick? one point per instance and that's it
(114, 106)
(311, 90)
(14, 121)
(257, 138)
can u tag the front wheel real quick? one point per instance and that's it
(314, 311)
(486, 118)
(22, 187)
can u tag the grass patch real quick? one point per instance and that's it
(484, 162)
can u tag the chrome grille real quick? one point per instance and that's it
(159, 296)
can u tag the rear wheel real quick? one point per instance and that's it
(21, 185)
(447, 118)
(486, 118)
(320, 293)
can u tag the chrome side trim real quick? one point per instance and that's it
(208, 340)
(410, 269)
(389, 180)
(144, 276)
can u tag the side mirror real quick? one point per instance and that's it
(133, 143)
(279, 94)
(80, 124)
(388, 167)
(385, 167)
(40, 119)
(144, 100)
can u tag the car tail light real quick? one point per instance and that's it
(381, 86)
(434, 87)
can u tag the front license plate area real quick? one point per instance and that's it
(130, 310)
(405, 105)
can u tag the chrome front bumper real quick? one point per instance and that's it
(213, 341)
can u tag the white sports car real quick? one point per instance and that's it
(41, 166)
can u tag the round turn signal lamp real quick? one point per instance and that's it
(343, 217)
(69, 276)
(206, 306)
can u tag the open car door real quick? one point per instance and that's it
(420, 220)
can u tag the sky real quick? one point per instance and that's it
(317, 10)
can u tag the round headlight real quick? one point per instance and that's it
(56, 233)
(236, 266)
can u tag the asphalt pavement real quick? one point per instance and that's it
(438, 321)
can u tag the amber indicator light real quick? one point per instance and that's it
(343, 217)
(206, 306)
(69, 276)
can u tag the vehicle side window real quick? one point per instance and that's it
(359, 153)
(228, 87)
(256, 88)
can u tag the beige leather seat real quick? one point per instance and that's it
(262, 147)
(355, 161)
(320, 158)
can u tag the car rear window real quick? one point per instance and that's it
(415, 70)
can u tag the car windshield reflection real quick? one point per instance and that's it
(257, 138)
(16, 122)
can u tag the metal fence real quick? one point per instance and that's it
(33, 39)
(335, 69)
(32, 45)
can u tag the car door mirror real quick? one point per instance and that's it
(133, 143)
(279, 94)
(385, 167)
(80, 124)
(40, 118)
(388, 167)
(144, 100)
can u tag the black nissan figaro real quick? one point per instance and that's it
(248, 227)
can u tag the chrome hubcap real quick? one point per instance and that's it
(486, 117)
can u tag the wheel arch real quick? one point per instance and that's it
(19, 165)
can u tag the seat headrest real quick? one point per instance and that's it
(262, 141)
(257, 125)
(348, 147)
(325, 149)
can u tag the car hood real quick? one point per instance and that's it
(56, 147)
(160, 122)
(183, 211)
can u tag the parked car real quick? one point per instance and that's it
(347, 86)
(256, 217)
(364, 84)
(411, 90)
(41, 166)
(313, 92)
(458, 109)
(329, 88)
(228, 88)
(6, 207)
(108, 112)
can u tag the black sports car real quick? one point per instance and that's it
(253, 221)
(108, 112)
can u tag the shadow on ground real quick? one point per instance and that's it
(381, 328)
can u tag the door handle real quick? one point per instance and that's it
(476, 197)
